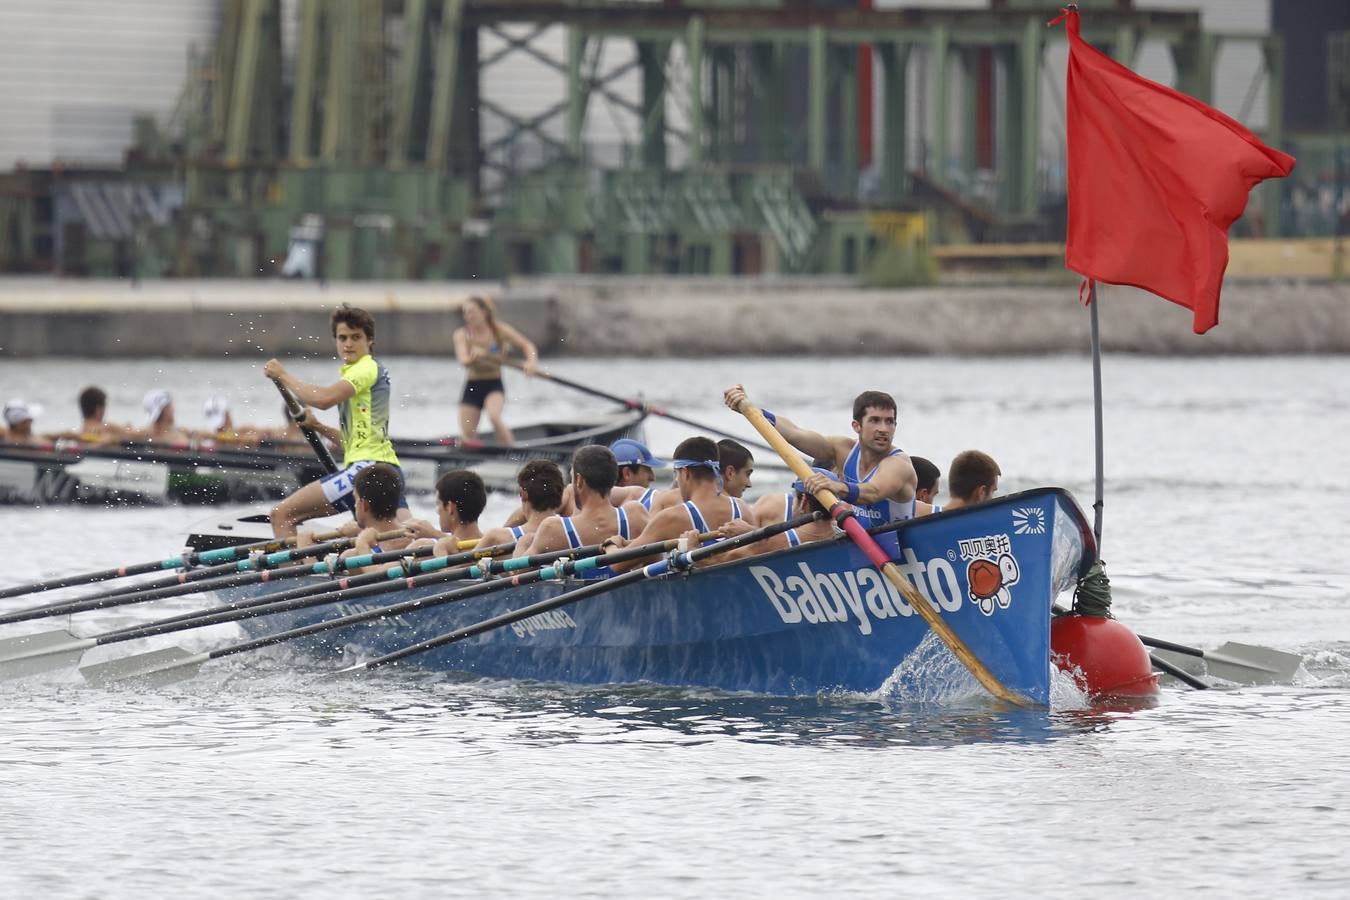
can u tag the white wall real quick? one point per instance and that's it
(74, 72)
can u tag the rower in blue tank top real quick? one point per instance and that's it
(596, 520)
(705, 507)
(875, 478)
(884, 510)
(700, 523)
(574, 540)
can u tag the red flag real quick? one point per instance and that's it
(1155, 179)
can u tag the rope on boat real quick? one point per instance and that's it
(1092, 596)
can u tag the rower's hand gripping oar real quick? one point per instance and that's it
(297, 414)
(634, 404)
(844, 516)
(676, 561)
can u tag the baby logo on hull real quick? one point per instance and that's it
(860, 595)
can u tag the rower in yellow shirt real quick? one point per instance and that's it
(362, 395)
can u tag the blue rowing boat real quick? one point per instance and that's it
(800, 621)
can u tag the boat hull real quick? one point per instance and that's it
(815, 618)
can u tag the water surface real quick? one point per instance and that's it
(1226, 519)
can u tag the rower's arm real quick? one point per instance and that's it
(814, 445)
(462, 351)
(525, 344)
(894, 480)
(324, 397)
(663, 526)
(549, 537)
(321, 396)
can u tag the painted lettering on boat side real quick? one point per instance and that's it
(556, 620)
(857, 595)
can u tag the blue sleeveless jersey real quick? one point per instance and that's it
(701, 524)
(883, 511)
(574, 541)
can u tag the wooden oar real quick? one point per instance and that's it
(636, 404)
(855, 530)
(297, 413)
(174, 663)
(676, 561)
(45, 651)
(183, 560)
(1240, 663)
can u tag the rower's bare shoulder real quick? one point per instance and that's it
(768, 507)
(637, 516)
(841, 447)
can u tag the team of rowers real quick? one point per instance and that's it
(159, 426)
(610, 499)
(481, 345)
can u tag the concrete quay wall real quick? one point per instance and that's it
(659, 317)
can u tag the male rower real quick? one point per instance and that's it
(972, 479)
(460, 498)
(19, 417)
(929, 484)
(362, 395)
(378, 490)
(541, 491)
(93, 429)
(637, 471)
(160, 427)
(221, 428)
(594, 471)
(822, 529)
(705, 508)
(735, 465)
(875, 477)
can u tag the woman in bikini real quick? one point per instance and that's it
(480, 345)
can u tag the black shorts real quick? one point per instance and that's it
(476, 392)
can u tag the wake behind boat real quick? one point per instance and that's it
(71, 472)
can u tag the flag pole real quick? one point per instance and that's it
(1098, 502)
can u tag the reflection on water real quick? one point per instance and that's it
(267, 776)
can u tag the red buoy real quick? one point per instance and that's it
(1106, 658)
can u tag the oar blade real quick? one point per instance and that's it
(46, 651)
(157, 667)
(1247, 664)
(1192, 665)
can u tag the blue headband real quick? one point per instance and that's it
(700, 464)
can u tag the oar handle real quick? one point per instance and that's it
(297, 413)
(868, 545)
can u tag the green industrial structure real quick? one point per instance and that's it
(755, 150)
